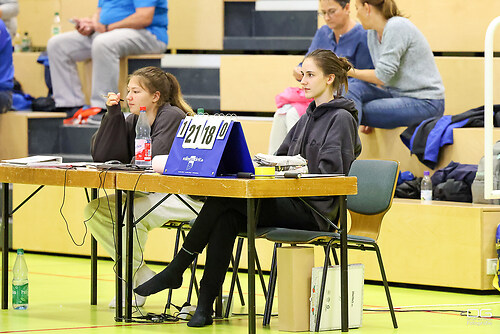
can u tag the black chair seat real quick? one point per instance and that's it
(259, 232)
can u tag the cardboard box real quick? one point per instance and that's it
(294, 287)
(331, 314)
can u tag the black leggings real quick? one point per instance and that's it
(220, 221)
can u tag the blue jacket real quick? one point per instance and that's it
(426, 139)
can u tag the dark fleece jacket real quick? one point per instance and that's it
(327, 136)
(116, 135)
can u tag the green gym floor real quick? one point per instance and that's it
(59, 302)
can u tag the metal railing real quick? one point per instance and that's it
(489, 192)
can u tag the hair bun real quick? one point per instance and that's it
(346, 65)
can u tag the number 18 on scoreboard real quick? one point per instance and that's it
(208, 146)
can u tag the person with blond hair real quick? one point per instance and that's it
(160, 93)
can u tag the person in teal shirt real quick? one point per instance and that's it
(118, 28)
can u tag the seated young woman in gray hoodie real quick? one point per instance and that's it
(326, 136)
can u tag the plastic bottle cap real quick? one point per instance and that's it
(142, 108)
(426, 173)
(20, 251)
(200, 111)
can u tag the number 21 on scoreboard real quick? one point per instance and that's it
(200, 132)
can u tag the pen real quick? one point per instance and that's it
(286, 175)
(107, 97)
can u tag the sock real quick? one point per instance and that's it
(170, 277)
(203, 314)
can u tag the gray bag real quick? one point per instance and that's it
(477, 187)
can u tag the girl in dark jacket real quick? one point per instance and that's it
(326, 136)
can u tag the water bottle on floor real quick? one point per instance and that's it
(426, 189)
(142, 140)
(20, 282)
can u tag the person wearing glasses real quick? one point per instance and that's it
(405, 87)
(342, 35)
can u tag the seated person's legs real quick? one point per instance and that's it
(196, 240)
(362, 92)
(400, 111)
(102, 228)
(108, 48)
(64, 51)
(217, 226)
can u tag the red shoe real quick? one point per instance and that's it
(82, 115)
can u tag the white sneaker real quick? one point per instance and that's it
(136, 301)
(142, 275)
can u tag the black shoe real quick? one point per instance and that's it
(95, 119)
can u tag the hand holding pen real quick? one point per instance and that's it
(113, 99)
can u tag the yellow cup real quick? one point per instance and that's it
(264, 172)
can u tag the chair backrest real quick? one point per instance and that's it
(376, 186)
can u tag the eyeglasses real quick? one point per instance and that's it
(329, 13)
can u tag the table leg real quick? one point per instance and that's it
(344, 292)
(251, 223)
(129, 227)
(4, 234)
(118, 255)
(93, 261)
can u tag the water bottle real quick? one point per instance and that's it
(55, 29)
(17, 42)
(26, 43)
(426, 188)
(142, 140)
(20, 282)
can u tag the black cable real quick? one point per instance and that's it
(102, 180)
(62, 214)
(123, 280)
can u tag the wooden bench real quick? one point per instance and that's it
(442, 244)
(16, 126)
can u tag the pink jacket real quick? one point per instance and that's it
(295, 97)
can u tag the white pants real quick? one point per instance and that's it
(284, 119)
(102, 228)
(105, 50)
